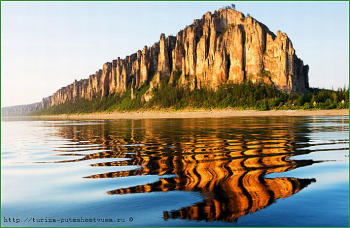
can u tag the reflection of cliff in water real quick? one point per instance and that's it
(224, 159)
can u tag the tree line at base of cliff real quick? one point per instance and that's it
(238, 96)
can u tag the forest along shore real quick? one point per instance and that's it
(196, 114)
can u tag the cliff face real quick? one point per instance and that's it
(219, 48)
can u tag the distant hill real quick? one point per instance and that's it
(20, 109)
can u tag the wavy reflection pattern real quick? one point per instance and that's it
(226, 160)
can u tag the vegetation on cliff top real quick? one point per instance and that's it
(240, 96)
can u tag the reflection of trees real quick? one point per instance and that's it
(224, 159)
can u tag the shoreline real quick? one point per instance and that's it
(216, 113)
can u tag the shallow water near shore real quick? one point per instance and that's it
(238, 171)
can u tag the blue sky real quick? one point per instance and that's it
(46, 45)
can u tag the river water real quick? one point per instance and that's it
(242, 171)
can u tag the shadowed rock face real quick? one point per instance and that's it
(219, 48)
(225, 161)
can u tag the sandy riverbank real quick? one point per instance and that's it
(198, 114)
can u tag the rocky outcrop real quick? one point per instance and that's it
(223, 47)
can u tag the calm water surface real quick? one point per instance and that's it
(277, 171)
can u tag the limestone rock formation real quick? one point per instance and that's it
(221, 47)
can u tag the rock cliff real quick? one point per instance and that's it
(221, 47)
